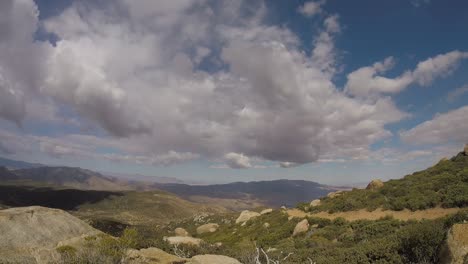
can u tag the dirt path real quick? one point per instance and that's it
(379, 213)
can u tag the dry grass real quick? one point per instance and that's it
(404, 215)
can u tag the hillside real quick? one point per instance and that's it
(77, 178)
(442, 185)
(16, 164)
(271, 193)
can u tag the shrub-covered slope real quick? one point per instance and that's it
(445, 184)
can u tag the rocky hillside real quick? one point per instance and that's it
(442, 185)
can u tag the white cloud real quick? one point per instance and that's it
(457, 93)
(447, 127)
(132, 69)
(311, 8)
(237, 160)
(367, 81)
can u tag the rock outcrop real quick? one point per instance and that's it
(315, 203)
(181, 232)
(301, 227)
(212, 259)
(177, 240)
(31, 234)
(375, 184)
(207, 228)
(456, 247)
(266, 211)
(245, 216)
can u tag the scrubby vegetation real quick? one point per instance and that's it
(386, 240)
(445, 185)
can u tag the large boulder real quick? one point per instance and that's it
(266, 211)
(245, 216)
(212, 259)
(177, 240)
(151, 256)
(301, 227)
(315, 203)
(157, 256)
(456, 246)
(181, 232)
(31, 234)
(375, 184)
(207, 228)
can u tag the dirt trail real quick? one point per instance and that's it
(379, 213)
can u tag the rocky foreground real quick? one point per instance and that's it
(40, 235)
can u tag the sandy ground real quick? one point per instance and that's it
(379, 213)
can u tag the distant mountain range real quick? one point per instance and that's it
(274, 193)
(15, 164)
(236, 196)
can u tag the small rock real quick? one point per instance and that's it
(375, 184)
(266, 211)
(176, 240)
(301, 227)
(266, 225)
(181, 232)
(315, 226)
(246, 216)
(290, 217)
(218, 244)
(207, 228)
(315, 203)
(283, 207)
(334, 194)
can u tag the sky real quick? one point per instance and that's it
(337, 92)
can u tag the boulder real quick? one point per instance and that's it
(266, 211)
(157, 256)
(177, 240)
(334, 194)
(245, 216)
(455, 249)
(207, 228)
(181, 232)
(375, 184)
(31, 234)
(301, 227)
(212, 259)
(315, 203)
(151, 256)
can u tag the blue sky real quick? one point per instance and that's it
(337, 92)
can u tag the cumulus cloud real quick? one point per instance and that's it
(367, 81)
(133, 69)
(443, 128)
(311, 8)
(237, 160)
